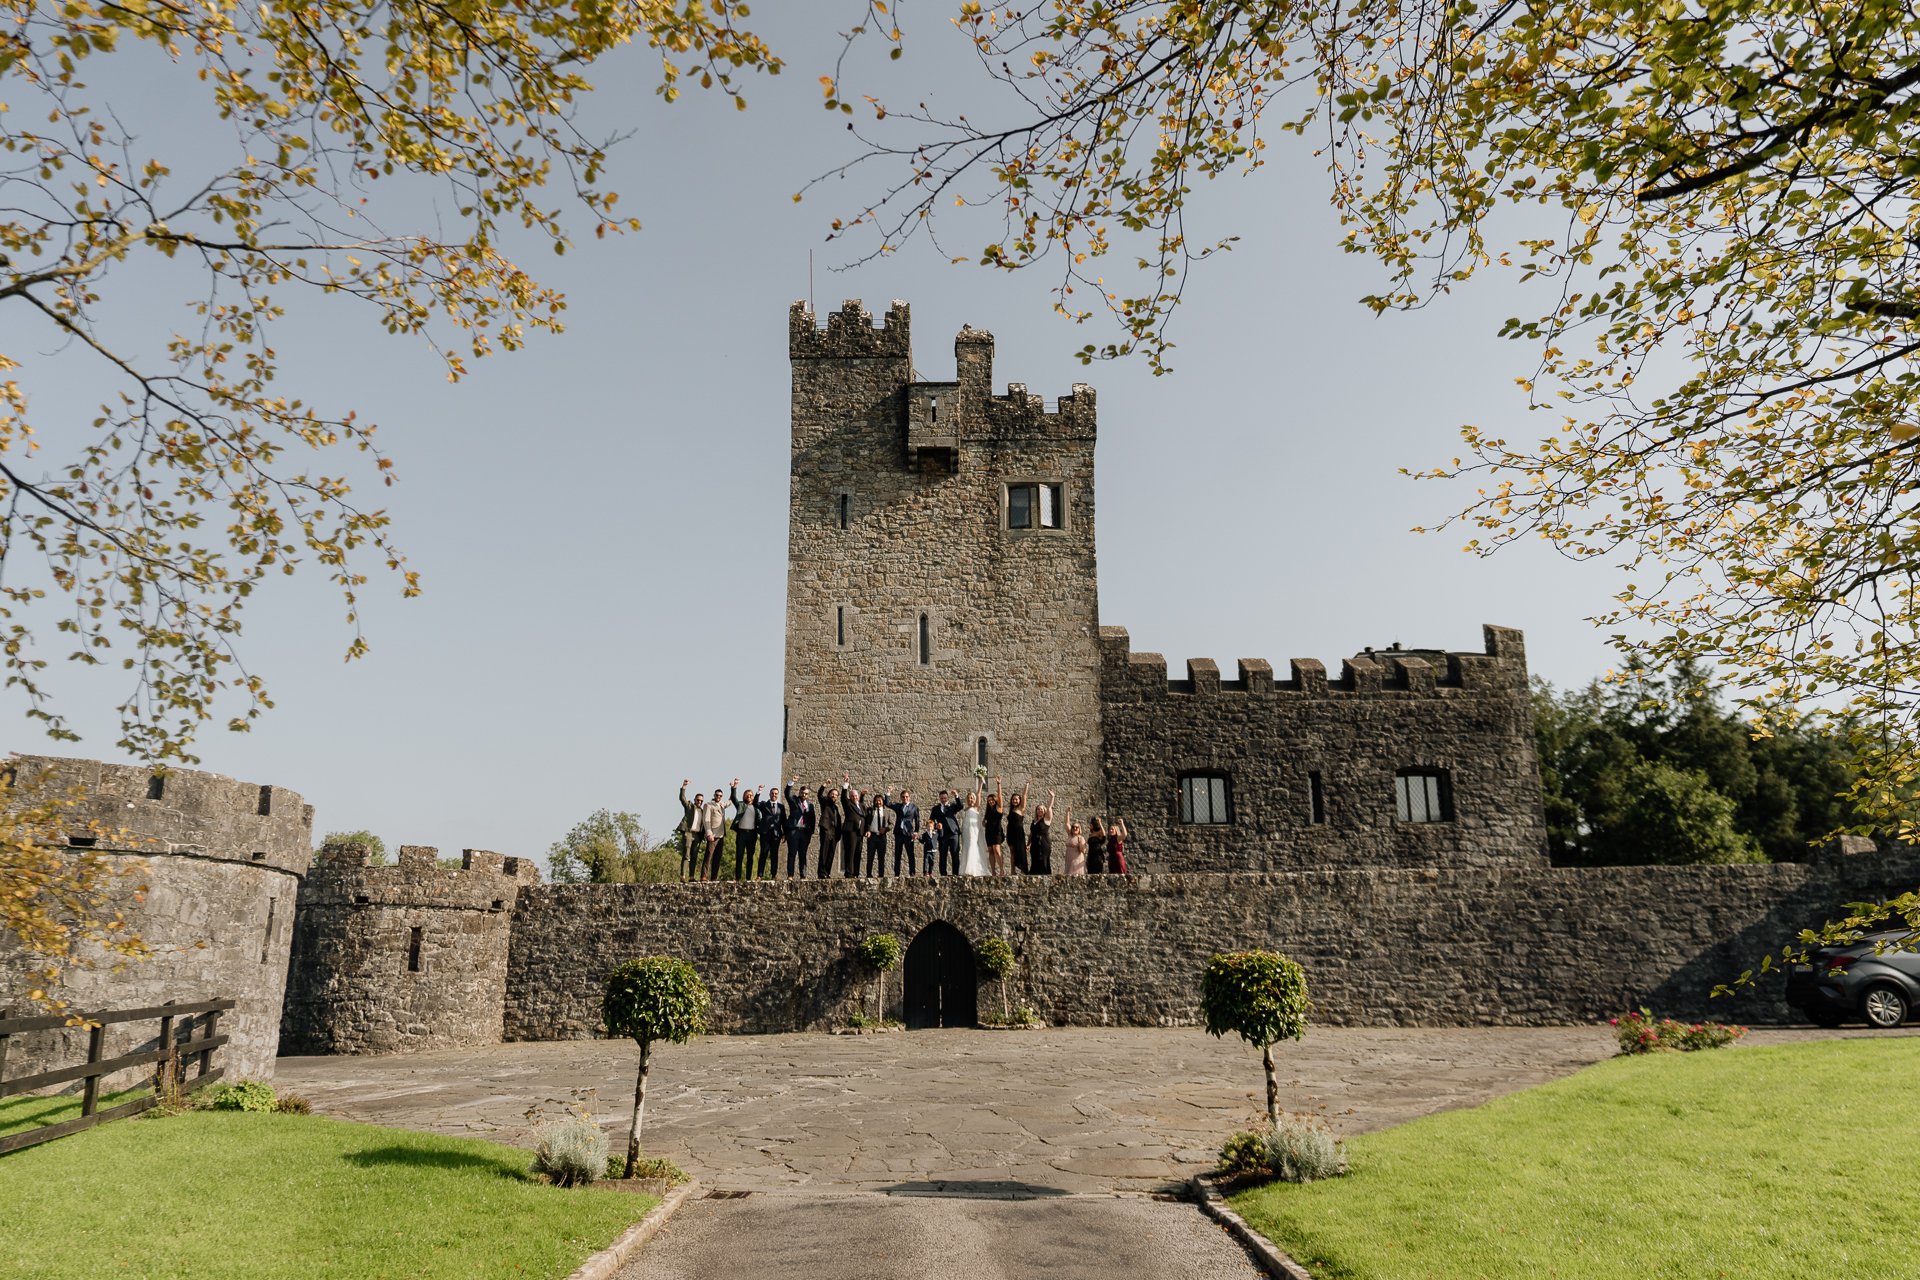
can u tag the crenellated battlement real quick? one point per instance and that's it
(850, 333)
(485, 881)
(1421, 672)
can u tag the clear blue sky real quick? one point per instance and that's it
(600, 520)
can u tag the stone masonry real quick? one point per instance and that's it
(223, 864)
(407, 957)
(1466, 717)
(919, 473)
(1511, 946)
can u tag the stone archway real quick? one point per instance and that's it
(941, 980)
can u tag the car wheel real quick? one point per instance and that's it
(1828, 1018)
(1885, 1006)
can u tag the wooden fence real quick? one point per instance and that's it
(172, 1056)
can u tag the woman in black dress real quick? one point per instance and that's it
(996, 831)
(1096, 849)
(1017, 830)
(1040, 841)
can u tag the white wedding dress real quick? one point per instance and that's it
(973, 848)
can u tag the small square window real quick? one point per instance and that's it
(1421, 796)
(1203, 800)
(1036, 506)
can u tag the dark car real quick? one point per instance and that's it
(1852, 984)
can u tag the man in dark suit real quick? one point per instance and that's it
(773, 826)
(829, 829)
(802, 817)
(746, 838)
(947, 815)
(849, 828)
(906, 832)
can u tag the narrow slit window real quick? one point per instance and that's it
(846, 510)
(413, 951)
(1204, 799)
(840, 626)
(1421, 796)
(786, 722)
(983, 753)
(266, 943)
(266, 802)
(933, 409)
(926, 642)
(1316, 798)
(157, 787)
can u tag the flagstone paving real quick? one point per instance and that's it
(1007, 1114)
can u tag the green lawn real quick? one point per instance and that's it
(1790, 1162)
(215, 1195)
(37, 1112)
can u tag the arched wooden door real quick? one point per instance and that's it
(941, 979)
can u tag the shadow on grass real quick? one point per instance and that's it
(418, 1158)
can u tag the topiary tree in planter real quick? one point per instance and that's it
(996, 960)
(1261, 996)
(882, 952)
(656, 998)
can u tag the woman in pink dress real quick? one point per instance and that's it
(1076, 847)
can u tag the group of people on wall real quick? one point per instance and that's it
(975, 833)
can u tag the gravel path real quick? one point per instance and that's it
(872, 1237)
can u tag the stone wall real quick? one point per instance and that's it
(1434, 947)
(223, 864)
(1011, 614)
(401, 958)
(1464, 716)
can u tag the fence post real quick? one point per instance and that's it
(206, 1055)
(96, 1037)
(4, 1013)
(163, 1080)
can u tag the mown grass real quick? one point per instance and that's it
(1789, 1162)
(39, 1112)
(221, 1195)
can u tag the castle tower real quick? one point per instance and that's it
(942, 593)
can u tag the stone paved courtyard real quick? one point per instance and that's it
(1033, 1113)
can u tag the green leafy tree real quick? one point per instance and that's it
(882, 952)
(656, 998)
(200, 478)
(1675, 815)
(376, 847)
(996, 961)
(612, 848)
(1597, 745)
(1261, 996)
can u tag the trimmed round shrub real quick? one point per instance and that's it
(995, 957)
(573, 1151)
(1262, 997)
(882, 951)
(656, 998)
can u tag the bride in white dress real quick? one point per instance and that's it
(973, 847)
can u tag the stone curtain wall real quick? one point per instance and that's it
(351, 988)
(1437, 947)
(224, 861)
(1012, 614)
(1465, 713)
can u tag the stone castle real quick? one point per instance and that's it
(943, 615)
(1382, 826)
